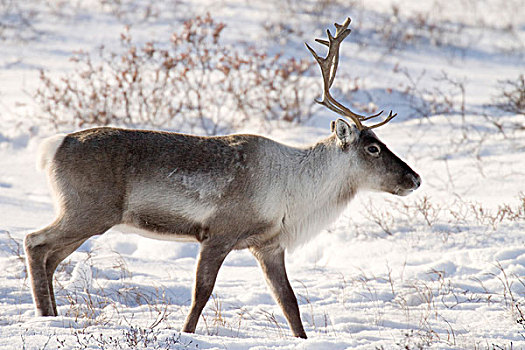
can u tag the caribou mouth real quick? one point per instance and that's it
(403, 192)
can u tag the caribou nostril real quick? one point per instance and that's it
(416, 180)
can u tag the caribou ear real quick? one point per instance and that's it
(346, 133)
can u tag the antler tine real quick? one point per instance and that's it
(390, 116)
(373, 116)
(344, 25)
(322, 41)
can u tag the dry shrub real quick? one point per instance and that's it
(17, 19)
(195, 83)
(401, 27)
(133, 11)
(428, 96)
(511, 98)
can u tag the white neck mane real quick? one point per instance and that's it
(320, 184)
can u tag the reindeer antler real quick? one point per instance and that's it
(328, 67)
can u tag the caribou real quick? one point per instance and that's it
(225, 192)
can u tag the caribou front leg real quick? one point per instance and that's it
(271, 260)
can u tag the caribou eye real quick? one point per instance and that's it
(374, 150)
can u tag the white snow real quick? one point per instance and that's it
(438, 269)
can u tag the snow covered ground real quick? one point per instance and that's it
(443, 268)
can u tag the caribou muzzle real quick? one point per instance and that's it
(410, 182)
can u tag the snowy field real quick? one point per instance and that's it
(443, 268)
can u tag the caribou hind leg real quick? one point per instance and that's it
(46, 248)
(54, 259)
(37, 248)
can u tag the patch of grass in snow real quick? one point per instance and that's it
(449, 217)
(130, 338)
